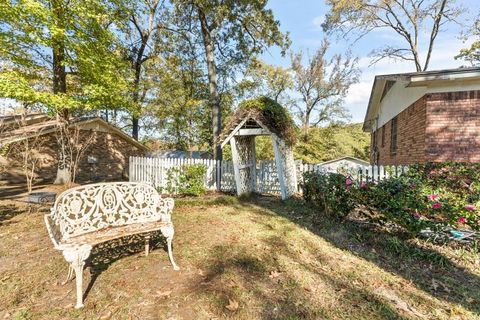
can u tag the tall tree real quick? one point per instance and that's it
(322, 84)
(472, 53)
(143, 22)
(233, 31)
(60, 54)
(409, 19)
(263, 79)
(180, 101)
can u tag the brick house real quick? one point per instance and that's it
(431, 116)
(106, 157)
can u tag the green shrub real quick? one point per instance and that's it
(455, 187)
(329, 191)
(399, 200)
(429, 195)
(189, 180)
(192, 180)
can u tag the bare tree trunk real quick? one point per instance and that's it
(136, 94)
(212, 85)
(135, 127)
(60, 86)
(434, 33)
(64, 162)
(139, 59)
(306, 125)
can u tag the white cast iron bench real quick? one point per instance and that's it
(88, 215)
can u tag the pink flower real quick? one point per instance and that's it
(432, 197)
(470, 207)
(462, 219)
(348, 182)
(436, 205)
(416, 215)
(363, 185)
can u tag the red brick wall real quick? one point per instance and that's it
(111, 151)
(453, 127)
(411, 124)
(438, 127)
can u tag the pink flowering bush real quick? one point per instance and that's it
(397, 200)
(436, 205)
(455, 187)
(426, 196)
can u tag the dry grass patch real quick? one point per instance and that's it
(260, 258)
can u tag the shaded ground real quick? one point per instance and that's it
(255, 259)
(19, 192)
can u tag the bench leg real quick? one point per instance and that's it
(147, 245)
(76, 256)
(168, 233)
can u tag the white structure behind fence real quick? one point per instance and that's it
(156, 172)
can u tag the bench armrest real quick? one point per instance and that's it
(51, 230)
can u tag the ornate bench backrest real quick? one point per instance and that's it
(97, 206)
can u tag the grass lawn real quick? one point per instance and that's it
(259, 258)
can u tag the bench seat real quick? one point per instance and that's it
(111, 233)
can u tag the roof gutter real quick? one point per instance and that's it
(421, 79)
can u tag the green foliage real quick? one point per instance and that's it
(397, 200)
(189, 180)
(427, 196)
(328, 191)
(180, 103)
(4, 149)
(322, 84)
(456, 186)
(263, 79)
(324, 144)
(472, 53)
(94, 71)
(272, 114)
(245, 28)
(192, 180)
(332, 142)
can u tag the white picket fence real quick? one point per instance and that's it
(156, 171)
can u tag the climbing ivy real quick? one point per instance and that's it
(272, 114)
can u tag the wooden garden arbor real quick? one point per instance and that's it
(247, 124)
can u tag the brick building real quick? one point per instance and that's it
(431, 116)
(105, 157)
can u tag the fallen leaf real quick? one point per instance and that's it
(165, 293)
(274, 274)
(108, 315)
(232, 305)
(5, 278)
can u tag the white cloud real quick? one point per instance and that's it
(358, 93)
(317, 22)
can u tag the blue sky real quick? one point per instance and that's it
(302, 20)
